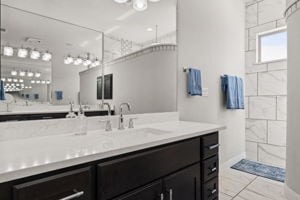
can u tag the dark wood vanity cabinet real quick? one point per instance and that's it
(184, 170)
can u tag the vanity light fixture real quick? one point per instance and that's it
(43, 82)
(22, 73)
(22, 53)
(68, 60)
(37, 74)
(9, 80)
(140, 5)
(96, 63)
(46, 56)
(32, 81)
(14, 73)
(21, 81)
(78, 61)
(154, 1)
(38, 81)
(149, 29)
(8, 51)
(15, 80)
(17, 84)
(34, 54)
(87, 62)
(30, 74)
(121, 1)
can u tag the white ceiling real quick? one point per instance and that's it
(103, 15)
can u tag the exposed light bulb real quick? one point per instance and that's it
(21, 80)
(32, 81)
(22, 73)
(43, 82)
(68, 60)
(22, 53)
(8, 51)
(37, 74)
(9, 80)
(38, 81)
(15, 80)
(154, 0)
(87, 62)
(121, 1)
(46, 56)
(78, 61)
(48, 82)
(14, 73)
(96, 63)
(34, 54)
(30, 74)
(140, 5)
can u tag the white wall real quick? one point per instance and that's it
(211, 37)
(293, 126)
(147, 82)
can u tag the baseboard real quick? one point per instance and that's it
(232, 161)
(290, 194)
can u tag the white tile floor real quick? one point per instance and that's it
(236, 185)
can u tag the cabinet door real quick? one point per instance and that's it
(149, 192)
(184, 185)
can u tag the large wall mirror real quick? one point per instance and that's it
(57, 52)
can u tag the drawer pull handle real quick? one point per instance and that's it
(213, 146)
(171, 194)
(73, 196)
(213, 191)
(213, 169)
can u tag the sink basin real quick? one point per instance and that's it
(137, 133)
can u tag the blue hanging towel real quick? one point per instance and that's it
(2, 91)
(233, 87)
(59, 95)
(194, 82)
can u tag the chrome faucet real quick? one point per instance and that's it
(121, 119)
(71, 114)
(108, 126)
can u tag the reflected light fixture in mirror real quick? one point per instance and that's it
(78, 61)
(22, 53)
(87, 62)
(30, 74)
(8, 51)
(46, 56)
(37, 74)
(14, 73)
(22, 73)
(68, 60)
(121, 1)
(140, 5)
(154, 0)
(32, 81)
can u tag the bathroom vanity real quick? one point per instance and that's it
(170, 160)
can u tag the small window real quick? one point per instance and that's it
(272, 46)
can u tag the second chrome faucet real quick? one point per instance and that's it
(121, 119)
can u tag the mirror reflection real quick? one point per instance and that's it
(116, 53)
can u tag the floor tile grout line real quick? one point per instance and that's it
(245, 187)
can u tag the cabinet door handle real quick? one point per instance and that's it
(162, 197)
(73, 196)
(170, 194)
(213, 169)
(213, 146)
(213, 191)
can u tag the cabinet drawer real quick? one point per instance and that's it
(209, 145)
(122, 175)
(210, 189)
(210, 168)
(75, 184)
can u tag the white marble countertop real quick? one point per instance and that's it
(27, 157)
(41, 111)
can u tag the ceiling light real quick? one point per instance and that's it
(14, 73)
(22, 53)
(8, 51)
(140, 5)
(9, 80)
(30, 74)
(78, 61)
(46, 56)
(43, 82)
(150, 29)
(32, 81)
(121, 1)
(34, 54)
(87, 62)
(38, 81)
(37, 74)
(22, 73)
(21, 80)
(15, 80)
(68, 60)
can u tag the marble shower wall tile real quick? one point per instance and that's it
(277, 133)
(251, 16)
(251, 151)
(281, 107)
(256, 130)
(251, 84)
(261, 28)
(272, 83)
(262, 107)
(246, 107)
(269, 10)
(277, 65)
(272, 155)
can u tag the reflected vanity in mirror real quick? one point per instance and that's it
(49, 62)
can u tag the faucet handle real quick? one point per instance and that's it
(108, 126)
(131, 122)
